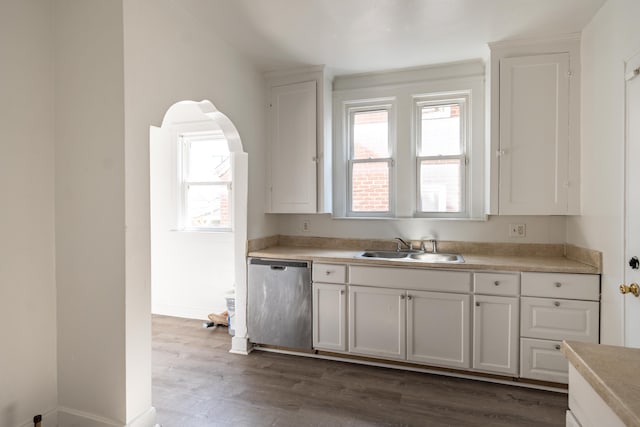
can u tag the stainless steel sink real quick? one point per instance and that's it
(386, 254)
(437, 257)
(414, 255)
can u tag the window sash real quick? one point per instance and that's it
(352, 111)
(350, 195)
(434, 101)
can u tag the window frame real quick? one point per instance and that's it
(462, 98)
(351, 109)
(184, 183)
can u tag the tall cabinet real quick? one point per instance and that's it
(299, 154)
(535, 127)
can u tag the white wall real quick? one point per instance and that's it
(540, 229)
(90, 212)
(191, 271)
(27, 263)
(611, 38)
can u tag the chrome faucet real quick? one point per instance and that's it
(401, 242)
(434, 245)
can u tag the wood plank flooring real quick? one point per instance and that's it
(198, 383)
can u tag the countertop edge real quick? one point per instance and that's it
(472, 261)
(616, 402)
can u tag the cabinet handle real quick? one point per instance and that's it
(327, 272)
(341, 291)
(557, 346)
(556, 303)
(402, 296)
(477, 304)
(558, 284)
(409, 297)
(496, 283)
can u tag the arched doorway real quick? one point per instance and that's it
(198, 222)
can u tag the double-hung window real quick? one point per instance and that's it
(205, 182)
(370, 161)
(441, 155)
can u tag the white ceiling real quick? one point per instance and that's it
(352, 36)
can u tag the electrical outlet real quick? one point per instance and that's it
(306, 226)
(517, 230)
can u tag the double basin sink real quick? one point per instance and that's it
(414, 255)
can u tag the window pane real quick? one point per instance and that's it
(440, 127)
(371, 134)
(208, 206)
(440, 186)
(370, 187)
(208, 160)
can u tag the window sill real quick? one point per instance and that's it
(483, 218)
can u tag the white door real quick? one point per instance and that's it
(329, 316)
(438, 328)
(293, 148)
(377, 323)
(632, 211)
(495, 334)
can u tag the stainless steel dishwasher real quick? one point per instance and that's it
(279, 303)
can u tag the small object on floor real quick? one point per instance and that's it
(206, 325)
(219, 319)
(37, 421)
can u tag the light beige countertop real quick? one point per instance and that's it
(473, 261)
(613, 372)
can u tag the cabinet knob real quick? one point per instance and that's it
(631, 289)
(327, 272)
(402, 296)
(409, 297)
(496, 283)
(477, 304)
(556, 303)
(341, 291)
(558, 284)
(557, 346)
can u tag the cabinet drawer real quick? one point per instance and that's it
(559, 319)
(497, 284)
(542, 360)
(329, 273)
(411, 278)
(553, 285)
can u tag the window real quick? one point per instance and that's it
(441, 160)
(370, 160)
(410, 143)
(205, 182)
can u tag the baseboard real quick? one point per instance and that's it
(68, 417)
(240, 345)
(200, 313)
(49, 418)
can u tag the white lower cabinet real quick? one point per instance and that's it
(495, 334)
(377, 322)
(330, 316)
(542, 360)
(438, 326)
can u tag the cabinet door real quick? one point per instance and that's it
(329, 317)
(495, 334)
(377, 322)
(560, 319)
(542, 360)
(293, 148)
(534, 135)
(438, 326)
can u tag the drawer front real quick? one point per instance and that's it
(553, 285)
(559, 319)
(329, 273)
(496, 284)
(542, 360)
(411, 278)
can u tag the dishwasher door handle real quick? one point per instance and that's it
(279, 267)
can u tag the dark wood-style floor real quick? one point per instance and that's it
(198, 383)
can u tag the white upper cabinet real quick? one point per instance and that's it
(534, 129)
(299, 155)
